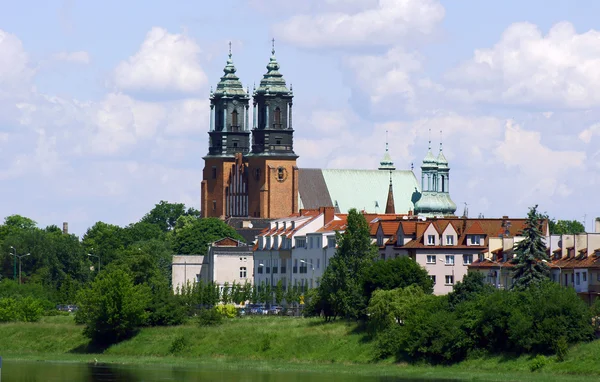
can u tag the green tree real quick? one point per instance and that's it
(103, 240)
(566, 227)
(165, 215)
(397, 273)
(192, 235)
(391, 307)
(341, 290)
(530, 268)
(112, 307)
(279, 292)
(472, 285)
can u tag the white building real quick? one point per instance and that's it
(227, 261)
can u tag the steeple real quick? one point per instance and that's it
(386, 163)
(273, 133)
(229, 114)
(441, 159)
(389, 207)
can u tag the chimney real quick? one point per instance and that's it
(329, 213)
(65, 228)
(597, 226)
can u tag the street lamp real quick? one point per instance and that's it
(89, 254)
(20, 257)
(15, 266)
(559, 269)
(313, 270)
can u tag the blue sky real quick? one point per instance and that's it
(104, 105)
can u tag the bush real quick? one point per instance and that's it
(561, 348)
(30, 309)
(179, 344)
(228, 310)
(538, 362)
(9, 309)
(209, 317)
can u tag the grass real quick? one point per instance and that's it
(274, 344)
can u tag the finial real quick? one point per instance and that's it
(390, 177)
(429, 138)
(229, 49)
(412, 166)
(291, 87)
(273, 46)
(441, 138)
(386, 144)
(211, 89)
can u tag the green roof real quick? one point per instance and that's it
(361, 189)
(230, 84)
(273, 81)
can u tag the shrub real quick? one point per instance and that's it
(228, 310)
(30, 309)
(538, 362)
(209, 317)
(179, 344)
(561, 348)
(9, 309)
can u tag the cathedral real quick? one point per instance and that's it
(251, 171)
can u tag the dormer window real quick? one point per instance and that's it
(475, 239)
(380, 241)
(430, 239)
(449, 239)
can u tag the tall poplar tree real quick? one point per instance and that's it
(530, 268)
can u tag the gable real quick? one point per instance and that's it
(226, 242)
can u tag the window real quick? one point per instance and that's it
(331, 242)
(214, 172)
(277, 116)
(259, 270)
(197, 277)
(300, 242)
(475, 239)
(430, 259)
(318, 263)
(284, 267)
(449, 259)
(280, 173)
(467, 259)
(430, 239)
(268, 245)
(449, 239)
(275, 265)
(234, 118)
(242, 272)
(577, 278)
(380, 240)
(257, 173)
(432, 278)
(584, 276)
(311, 242)
(449, 280)
(214, 205)
(295, 269)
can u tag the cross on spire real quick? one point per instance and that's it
(273, 46)
(229, 49)
(429, 138)
(386, 145)
(441, 139)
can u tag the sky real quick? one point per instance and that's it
(104, 105)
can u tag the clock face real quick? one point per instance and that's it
(281, 174)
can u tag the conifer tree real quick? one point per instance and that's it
(530, 268)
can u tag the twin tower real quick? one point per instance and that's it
(250, 171)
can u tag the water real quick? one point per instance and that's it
(73, 372)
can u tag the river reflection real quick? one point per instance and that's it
(46, 372)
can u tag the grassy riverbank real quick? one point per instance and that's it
(265, 343)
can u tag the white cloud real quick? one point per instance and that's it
(80, 57)
(560, 69)
(587, 134)
(15, 68)
(189, 116)
(166, 63)
(387, 22)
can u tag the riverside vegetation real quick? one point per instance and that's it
(364, 310)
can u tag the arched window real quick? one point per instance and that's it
(234, 118)
(277, 117)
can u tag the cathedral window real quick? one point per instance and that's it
(234, 119)
(257, 173)
(280, 173)
(214, 172)
(277, 117)
(214, 205)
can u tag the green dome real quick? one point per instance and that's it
(435, 203)
(387, 163)
(230, 84)
(442, 161)
(429, 162)
(272, 81)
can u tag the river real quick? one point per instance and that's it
(74, 372)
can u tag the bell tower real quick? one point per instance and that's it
(273, 174)
(224, 180)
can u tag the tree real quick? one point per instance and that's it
(341, 290)
(112, 307)
(566, 227)
(192, 235)
(397, 273)
(530, 268)
(165, 215)
(103, 240)
(391, 307)
(279, 292)
(471, 286)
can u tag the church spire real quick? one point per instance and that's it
(386, 162)
(389, 206)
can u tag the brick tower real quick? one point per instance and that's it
(272, 170)
(224, 181)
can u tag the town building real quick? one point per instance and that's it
(227, 261)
